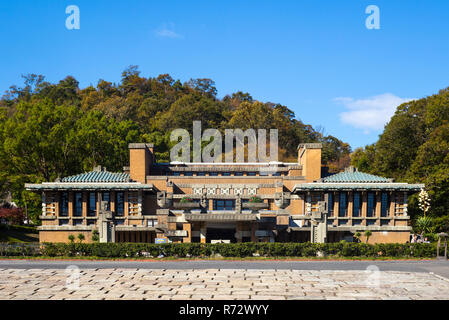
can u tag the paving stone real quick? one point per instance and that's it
(223, 284)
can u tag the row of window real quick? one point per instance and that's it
(91, 203)
(357, 204)
(223, 174)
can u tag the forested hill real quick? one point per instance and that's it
(54, 130)
(414, 147)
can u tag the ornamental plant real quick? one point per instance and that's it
(95, 235)
(81, 237)
(425, 224)
(424, 201)
(368, 234)
(255, 200)
(186, 200)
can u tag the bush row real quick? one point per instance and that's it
(340, 249)
(19, 249)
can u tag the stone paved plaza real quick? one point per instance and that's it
(227, 284)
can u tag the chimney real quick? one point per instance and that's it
(140, 159)
(309, 156)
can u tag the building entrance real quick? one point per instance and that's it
(227, 235)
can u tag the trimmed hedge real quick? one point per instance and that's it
(248, 249)
(19, 249)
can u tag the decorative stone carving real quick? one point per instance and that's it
(164, 199)
(238, 205)
(204, 203)
(251, 191)
(238, 191)
(282, 199)
(225, 190)
(211, 190)
(198, 190)
(318, 226)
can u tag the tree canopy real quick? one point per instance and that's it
(414, 147)
(51, 130)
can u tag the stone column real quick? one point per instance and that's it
(392, 196)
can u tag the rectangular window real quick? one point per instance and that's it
(92, 208)
(384, 204)
(370, 205)
(356, 205)
(176, 173)
(78, 204)
(342, 205)
(64, 205)
(226, 174)
(239, 174)
(213, 174)
(106, 196)
(120, 204)
(251, 174)
(277, 173)
(330, 204)
(224, 205)
(201, 174)
(188, 174)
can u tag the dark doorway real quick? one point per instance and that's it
(220, 234)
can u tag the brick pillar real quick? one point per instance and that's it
(378, 205)
(350, 206)
(253, 232)
(336, 207)
(71, 199)
(112, 201)
(187, 227)
(84, 208)
(364, 207)
(392, 196)
(97, 203)
(126, 207)
(57, 199)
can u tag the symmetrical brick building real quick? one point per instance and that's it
(231, 202)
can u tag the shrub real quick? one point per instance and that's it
(248, 249)
(186, 200)
(95, 235)
(255, 199)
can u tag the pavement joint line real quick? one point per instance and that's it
(438, 276)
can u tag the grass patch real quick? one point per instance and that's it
(18, 234)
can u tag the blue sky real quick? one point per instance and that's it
(316, 57)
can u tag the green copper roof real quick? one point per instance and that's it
(355, 176)
(356, 186)
(98, 176)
